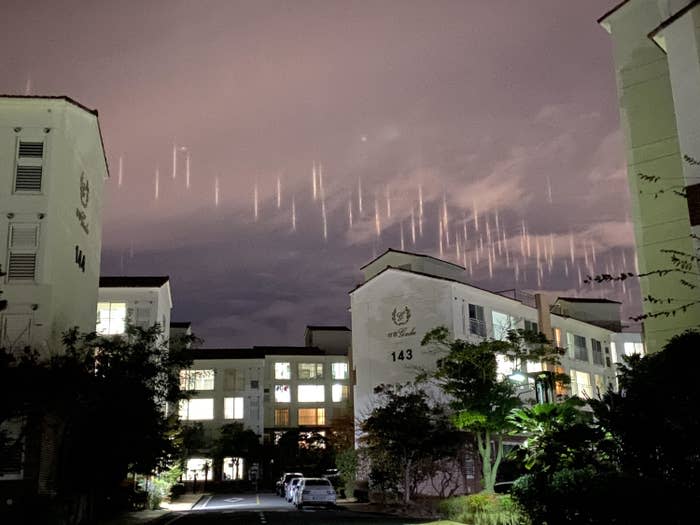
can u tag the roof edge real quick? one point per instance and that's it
(671, 19)
(412, 254)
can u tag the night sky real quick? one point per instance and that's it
(501, 113)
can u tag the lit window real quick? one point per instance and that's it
(283, 371)
(581, 384)
(613, 351)
(111, 318)
(311, 394)
(312, 416)
(600, 385)
(197, 409)
(339, 370)
(232, 468)
(282, 394)
(233, 408)
(281, 417)
(339, 393)
(501, 324)
(310, 371)
(634, 348)
(197, 379)
(504, 366)
(197, 468)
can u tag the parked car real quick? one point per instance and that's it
(281, 485)
(314, 491)
(291, 489)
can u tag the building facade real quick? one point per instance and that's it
(140, 301)
(396, 305)
(657, 63)
(52, 171)
(269, 390)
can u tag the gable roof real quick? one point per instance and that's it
(74, 103)
(412, 254)
(128, 281)
(663, 25)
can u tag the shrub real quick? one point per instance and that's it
(483, 509)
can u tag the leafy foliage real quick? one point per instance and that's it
(483, 509)
(482, 400)
(636, 461)
(401, 433)
(103, 400)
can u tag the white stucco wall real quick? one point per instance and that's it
(62, 295)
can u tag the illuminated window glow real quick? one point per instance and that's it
(339, 370)
(197, 379)
(339, 393)
(232, 468)
(312, 416)
(283, 371)
(311, 394)
(233, 408)
(282, 394)
(310, 371)
(111, 318)
(281, 417)
(198, 409)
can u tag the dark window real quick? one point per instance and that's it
(580, 350)
(693, 194)
(597, 352)
(531, 326)
(477, 325)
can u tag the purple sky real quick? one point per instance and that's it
(491, 103)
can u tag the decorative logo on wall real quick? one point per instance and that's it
(401, 315)
(84, 190)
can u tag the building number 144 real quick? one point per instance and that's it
(402, 355)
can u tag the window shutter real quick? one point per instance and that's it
(24, 239)
(29, 167)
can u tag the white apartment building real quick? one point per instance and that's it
(656, 51)
(140, 300)
(405, 295)
(52, 170)
(270, 390)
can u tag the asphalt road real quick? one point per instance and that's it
(269, 509)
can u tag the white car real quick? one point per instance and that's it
(291, 489)
(314, 491)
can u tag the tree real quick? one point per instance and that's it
(654, 418)
(482, 400)
(102, 405)
(634, 459)
(237, 442)
(402, 432)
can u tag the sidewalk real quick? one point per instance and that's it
(184, 502)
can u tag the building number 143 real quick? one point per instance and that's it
(402, 355)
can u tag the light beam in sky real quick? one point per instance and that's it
(350, 213)
(403, 247)
(313, 177)
(255, 201)
(157, 184)
(187, 170)
(388, 202)
(174, 160)
(216, 192)
(420, 210)
(279, 192)
(413, 227)
(120, 175)
(359, 195)
(377, 222)
(294, 215)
